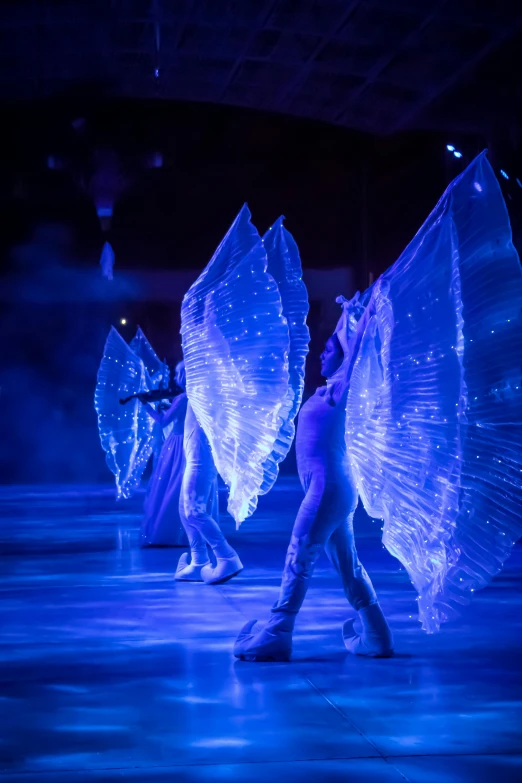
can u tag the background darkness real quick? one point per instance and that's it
(350, 199)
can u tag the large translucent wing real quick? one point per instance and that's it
(434, 410)
(284, 264)
(235, 346)
(126, 431)
(157, 371)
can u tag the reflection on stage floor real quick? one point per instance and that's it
(110, 670)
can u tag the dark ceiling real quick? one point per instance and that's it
(373, 65)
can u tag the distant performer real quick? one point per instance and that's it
(162, 525)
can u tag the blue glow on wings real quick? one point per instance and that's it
(157, 371)
(434, 413)
(126, 431)
(284, 264)
(236, 344)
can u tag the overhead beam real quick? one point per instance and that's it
(383, 62)
(246, 46)
(305, 71)
(507, 33)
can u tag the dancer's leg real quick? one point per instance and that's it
(198, 486)
(372, 637)
(325, 502)
(199, 489)
(342, 554)
(317, 516)
(190, 564)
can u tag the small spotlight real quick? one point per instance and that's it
(457, 154)
(506, 176)
(123, 321)
(450, 147)
(156, 73)
(478, 187)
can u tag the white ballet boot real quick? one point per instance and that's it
(373, 637)
(188, 571)
(274, 641)
(225, 569)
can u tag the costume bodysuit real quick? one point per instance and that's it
(324, 520)
(325, 517)
(198, 502)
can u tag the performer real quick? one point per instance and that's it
(198, 510)
(162, 525)
(324, 521)
(127, 433)
(422, 419)
(243, 325)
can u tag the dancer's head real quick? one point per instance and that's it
(332, 357)
(180, 374)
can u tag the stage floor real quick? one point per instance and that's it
(110, 670)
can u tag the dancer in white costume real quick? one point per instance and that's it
(243, 324)
(422, 419)
(197, 510)
(324, 521)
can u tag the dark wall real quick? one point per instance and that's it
(349, 200)
(49, 428)
(346, 196)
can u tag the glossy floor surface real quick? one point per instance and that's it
(110, 670)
